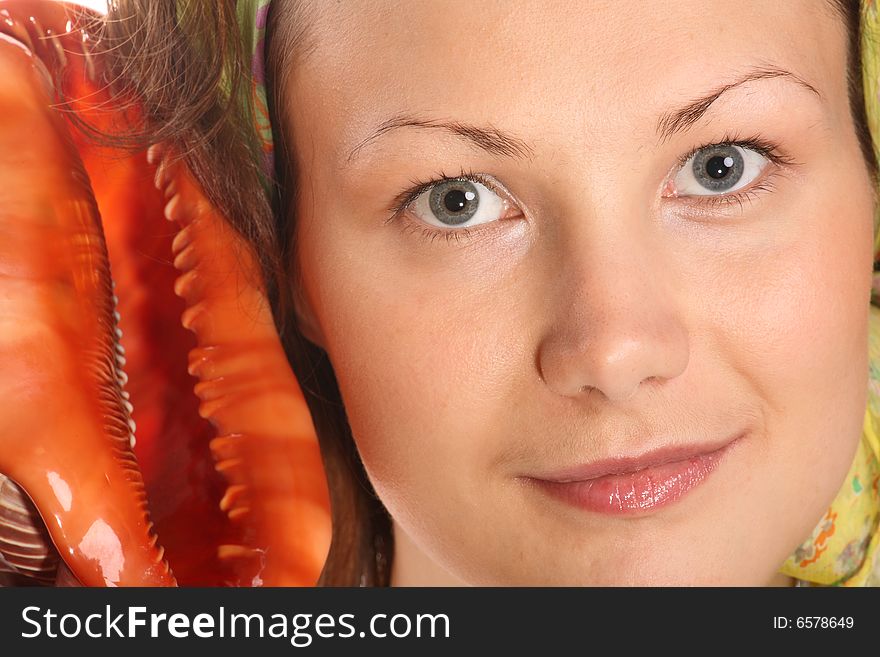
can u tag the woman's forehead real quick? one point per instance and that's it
(592, 61)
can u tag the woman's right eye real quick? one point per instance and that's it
(458, 203)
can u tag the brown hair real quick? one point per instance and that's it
(849, 11)
(158, 49)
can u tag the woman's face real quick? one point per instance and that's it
(589, 300)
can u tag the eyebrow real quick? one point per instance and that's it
(489, 138)
(505, 144)
(681, 119)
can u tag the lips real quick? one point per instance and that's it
(634, 484)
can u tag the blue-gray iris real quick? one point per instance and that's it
(454, 202)
(718, 168)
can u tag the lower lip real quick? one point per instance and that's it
(642, 490)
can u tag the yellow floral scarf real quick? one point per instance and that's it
(844, 547)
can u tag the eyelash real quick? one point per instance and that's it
(764, 147)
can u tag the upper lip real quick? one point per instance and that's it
(627, 464)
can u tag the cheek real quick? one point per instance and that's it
(424, 366)
(793, 322)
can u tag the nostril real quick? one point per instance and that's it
(586, 390)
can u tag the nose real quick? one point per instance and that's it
(616, 321)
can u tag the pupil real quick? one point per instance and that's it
(717, 168)
(455, 200)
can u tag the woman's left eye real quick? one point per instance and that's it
(718, 169)
(458, 203)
